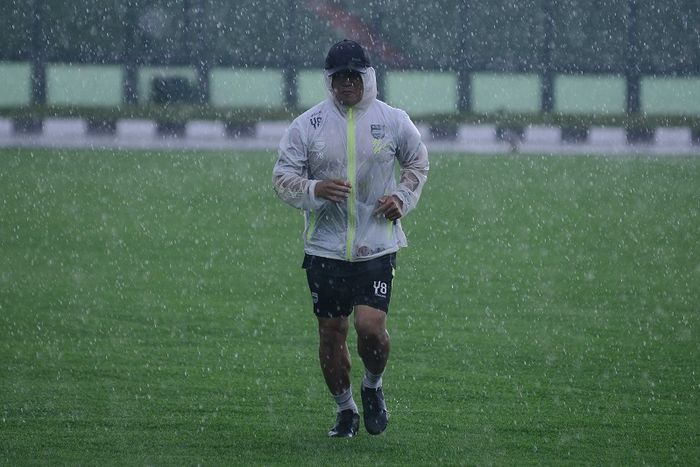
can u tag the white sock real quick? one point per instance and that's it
(372, 381)
(345, 401)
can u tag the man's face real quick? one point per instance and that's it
(347, 87)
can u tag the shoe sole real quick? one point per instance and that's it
(376, 429)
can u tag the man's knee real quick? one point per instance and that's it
(332, 331)
(370, 323)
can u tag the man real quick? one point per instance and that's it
(336, 162)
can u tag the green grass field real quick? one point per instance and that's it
(153, 311)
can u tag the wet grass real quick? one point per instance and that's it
(153, 311)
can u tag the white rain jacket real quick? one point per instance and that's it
(360, 144)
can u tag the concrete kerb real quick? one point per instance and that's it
(212, 135)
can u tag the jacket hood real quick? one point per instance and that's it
(369, 94)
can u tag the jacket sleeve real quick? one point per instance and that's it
(413, 159)
(290, 173)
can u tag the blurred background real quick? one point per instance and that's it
(444, 56)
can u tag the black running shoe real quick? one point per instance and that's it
(376, 416)
(347, 423)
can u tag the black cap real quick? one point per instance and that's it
(346, 55)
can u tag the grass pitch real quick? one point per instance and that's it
(153, 311)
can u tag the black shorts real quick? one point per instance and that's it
(338, 286)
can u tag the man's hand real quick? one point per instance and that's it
(389, 207)
(333, 190)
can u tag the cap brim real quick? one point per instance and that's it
(359, 69)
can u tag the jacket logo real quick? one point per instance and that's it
(378, 131)
(315, 122)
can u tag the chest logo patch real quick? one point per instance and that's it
(378, 131)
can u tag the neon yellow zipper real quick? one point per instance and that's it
(352, 206)
(312, 225)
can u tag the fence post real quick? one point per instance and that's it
(377, 58)
(289, 72)
(38, 54)
(198, 50)
(129, 54)
(632, 70)
(380, 74)
(547, 70)
(463, 67)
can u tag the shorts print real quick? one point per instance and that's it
(338, 286)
